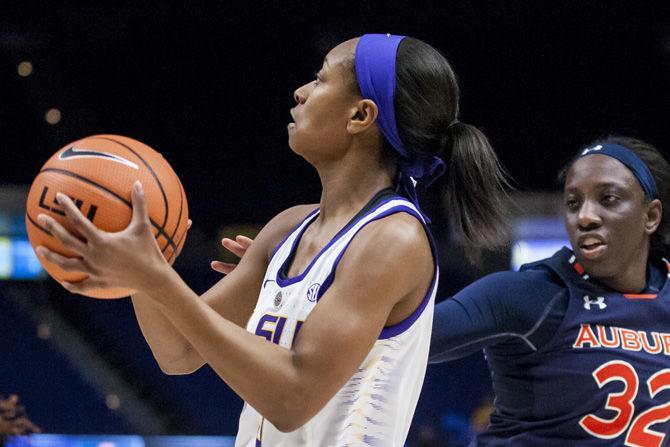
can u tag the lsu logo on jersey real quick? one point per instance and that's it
(278, 329)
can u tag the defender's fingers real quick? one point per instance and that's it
(223, 267)
(234, 247)
(244, 241)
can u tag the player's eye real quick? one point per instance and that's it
(572, 203)
(609, 199)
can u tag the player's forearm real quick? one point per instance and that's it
(262, 373)
(173, 352)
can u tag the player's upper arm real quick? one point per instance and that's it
(235, 295)
(494, 308)
(387, 263)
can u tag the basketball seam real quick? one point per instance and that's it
(181, 210)
(174, 252)
(161, 229)
(109, 191)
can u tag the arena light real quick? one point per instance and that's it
(44, 331)
(24, 69)
(113, 402)
(52, 116)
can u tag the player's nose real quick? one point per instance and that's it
(300, 94)
(588, 216)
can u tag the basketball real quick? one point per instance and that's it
(98, 173)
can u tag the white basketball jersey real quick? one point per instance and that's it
(376, 405)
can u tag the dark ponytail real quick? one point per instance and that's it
(476, 195)
(427, 110)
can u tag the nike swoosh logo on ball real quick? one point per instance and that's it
(71, 152)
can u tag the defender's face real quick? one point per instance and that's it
(606, 216)
(324, 107)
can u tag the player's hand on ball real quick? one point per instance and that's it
(238, 247)
(123, 259)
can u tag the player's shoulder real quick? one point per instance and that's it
(540, 280)
(537, 276)
(392, 251)
(524, 294)
(403, 230)
(398, 239)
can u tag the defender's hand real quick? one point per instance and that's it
(238, 247)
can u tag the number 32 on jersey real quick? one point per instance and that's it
(639, 432)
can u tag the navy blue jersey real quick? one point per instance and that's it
(573, 363)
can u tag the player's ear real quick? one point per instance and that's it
(653, 216)
(363, 115)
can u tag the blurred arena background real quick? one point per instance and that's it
(209, 84)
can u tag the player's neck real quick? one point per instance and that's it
(633, 279)
(349, 184)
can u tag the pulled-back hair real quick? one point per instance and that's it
(427, 112)
(660, 170)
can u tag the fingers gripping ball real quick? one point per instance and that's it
(98, 173)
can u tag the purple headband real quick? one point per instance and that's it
(375, 70)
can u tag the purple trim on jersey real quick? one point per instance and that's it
(314, 211)
(399, 328)
(405, 324)
(283, 282)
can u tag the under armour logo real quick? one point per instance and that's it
(591, 149)
(599, 301)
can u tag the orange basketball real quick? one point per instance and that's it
(98, 173)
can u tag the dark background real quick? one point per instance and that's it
(209, 84)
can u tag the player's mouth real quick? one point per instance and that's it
(591, 247)
(291, 125)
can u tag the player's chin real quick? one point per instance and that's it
(294, 142)
(601, 266)
(302, 145)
